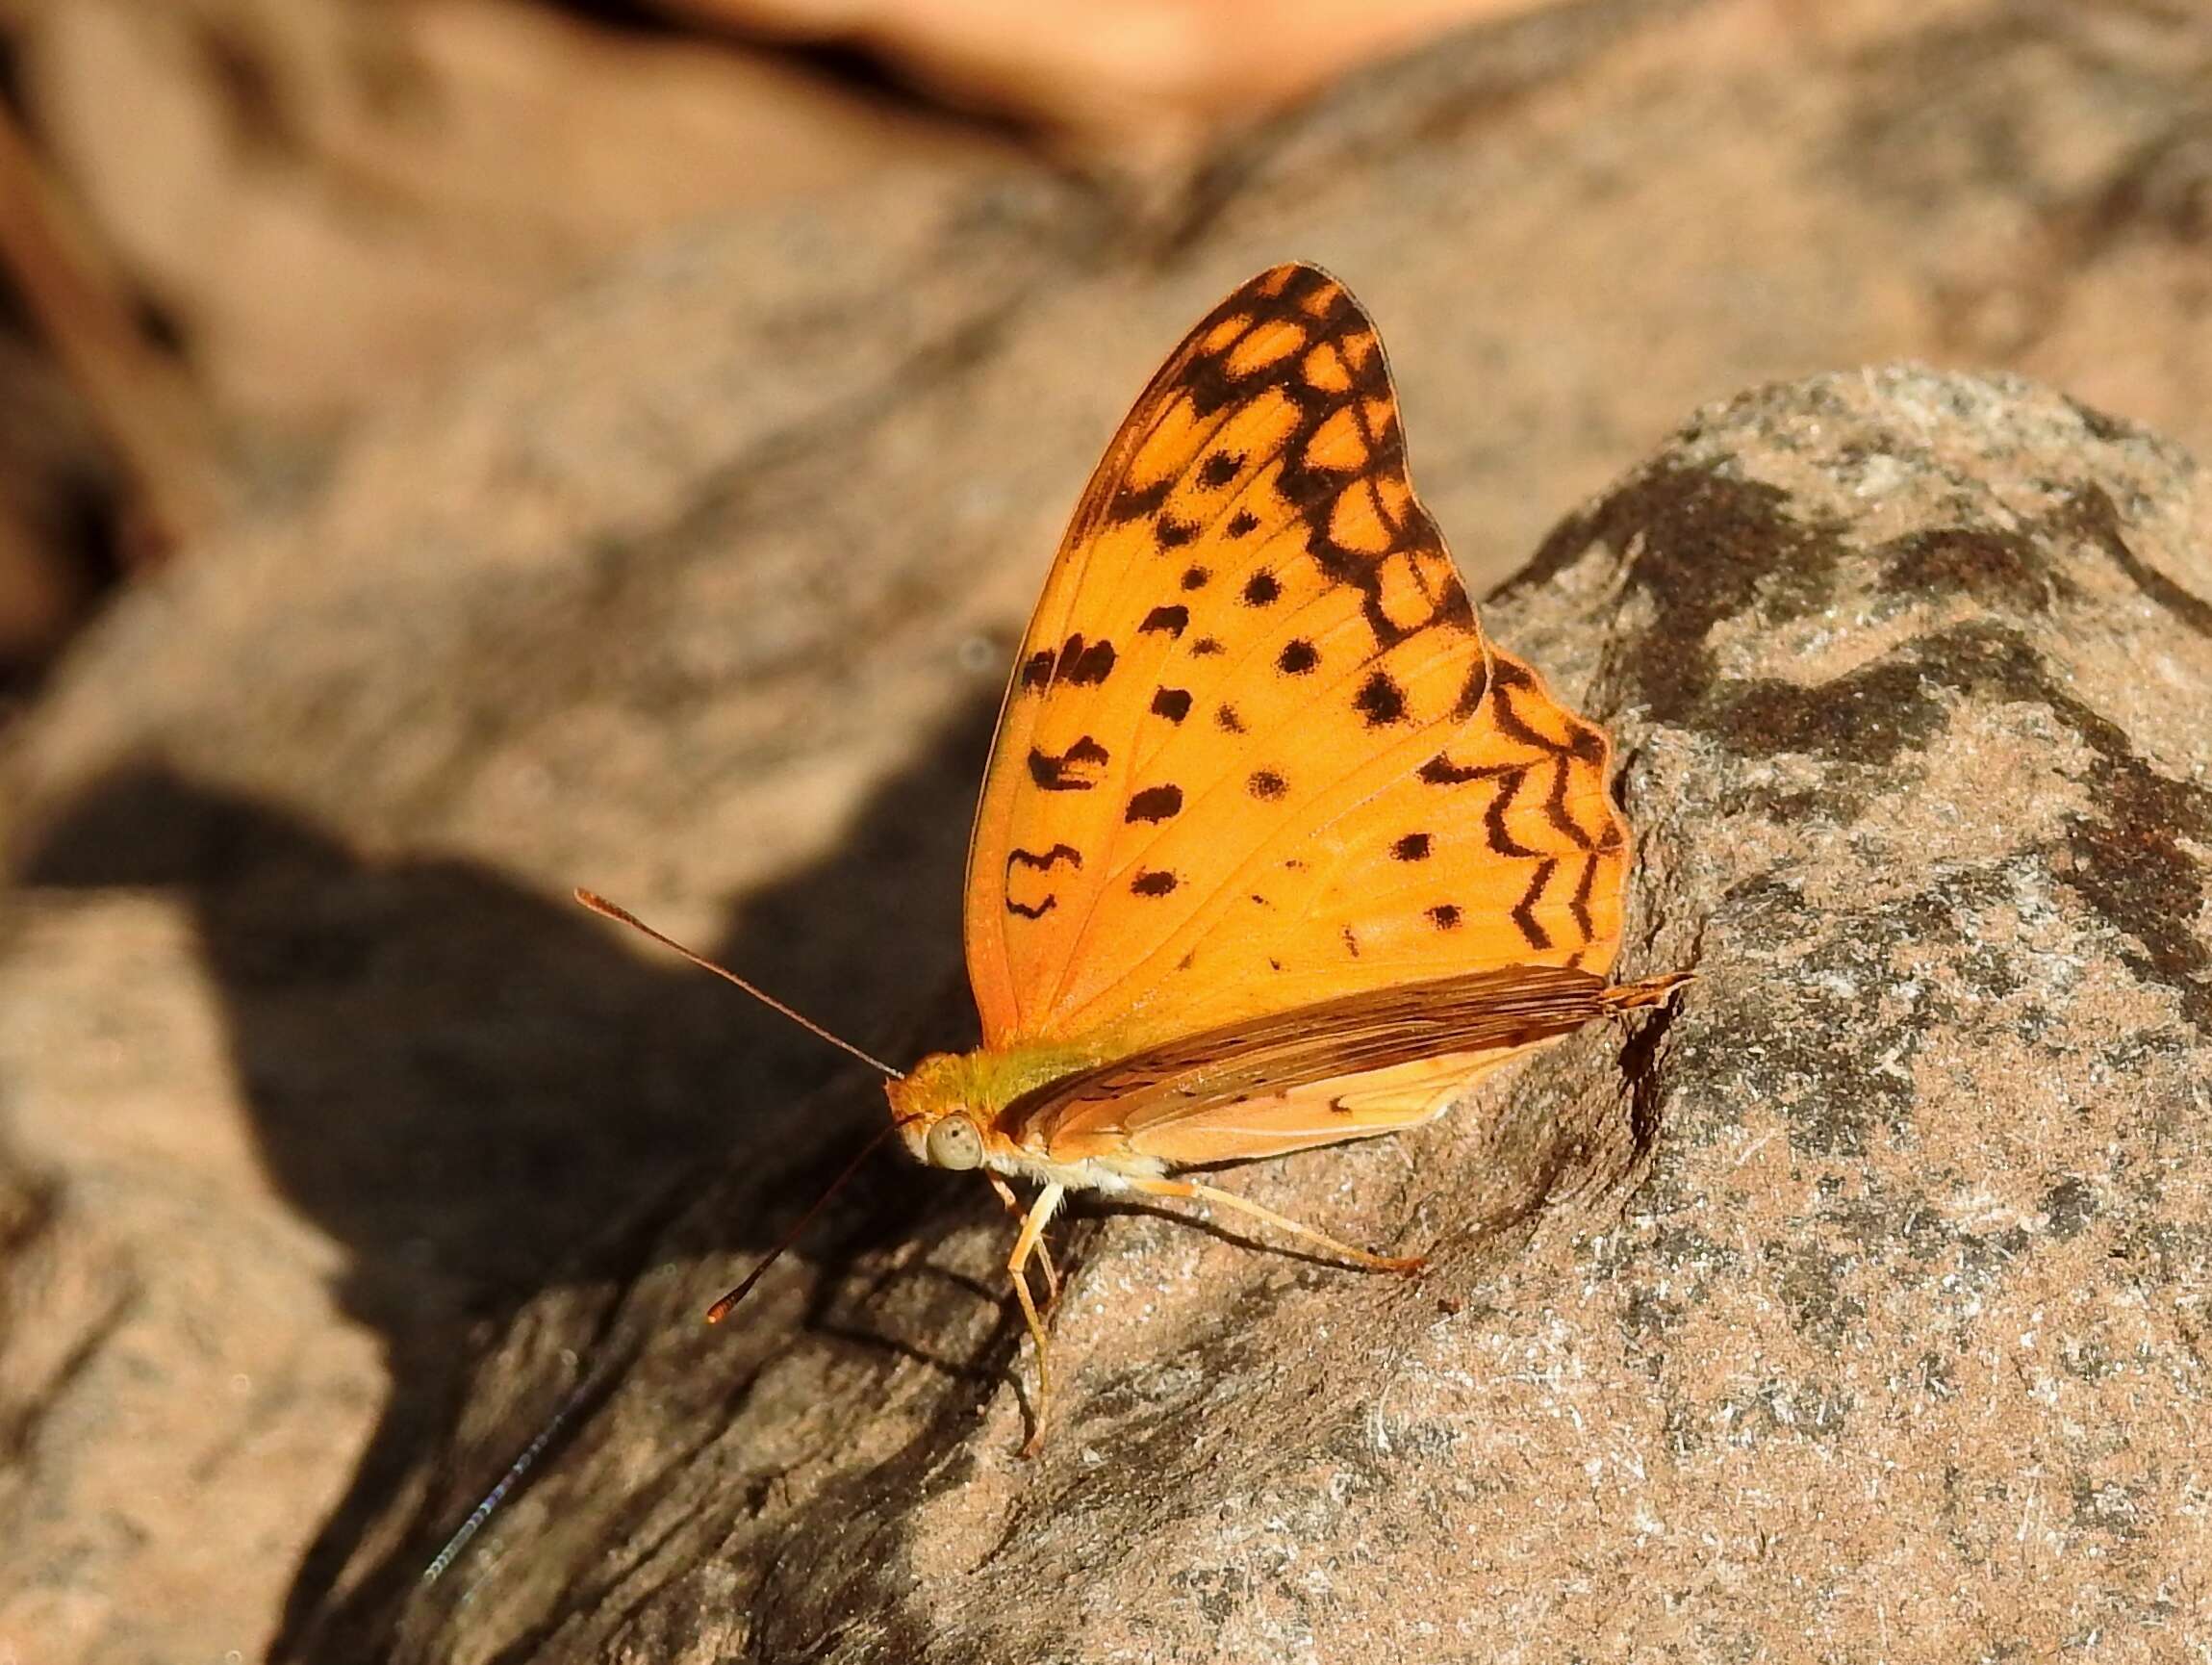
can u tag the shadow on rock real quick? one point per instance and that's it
(480, 1093)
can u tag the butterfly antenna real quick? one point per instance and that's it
(578, 1395)
(592, 1385)
(721, 1309)
(600, 905)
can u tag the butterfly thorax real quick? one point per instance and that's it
(955, 1110)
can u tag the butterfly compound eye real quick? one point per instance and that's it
(955, 1142)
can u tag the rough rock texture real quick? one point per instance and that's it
(339, 1145)
(1900, 1347)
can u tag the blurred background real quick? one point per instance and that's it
(455, 450)
(232, 226)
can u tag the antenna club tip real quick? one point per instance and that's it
(619, 914)
(718, 1311)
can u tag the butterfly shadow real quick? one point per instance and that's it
(482, 1095)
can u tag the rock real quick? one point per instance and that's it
(338, 1131)
(51, 469)
(1900, 1335)
(328, 202)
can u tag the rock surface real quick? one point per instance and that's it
(339, 1145)
(1900, 1346)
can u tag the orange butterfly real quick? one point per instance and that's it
(1275, 850)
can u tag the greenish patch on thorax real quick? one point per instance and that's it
(983, 1083)
(1007, 1076)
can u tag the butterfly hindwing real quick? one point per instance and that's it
(1256, 751)
(1350, 1068)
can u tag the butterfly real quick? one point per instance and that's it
(1275, 848)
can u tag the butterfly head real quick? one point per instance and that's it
(941, 1109)
(952, 1108)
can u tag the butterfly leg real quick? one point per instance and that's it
(1044, 1255)
(1024, 1245)
(1184, 1188)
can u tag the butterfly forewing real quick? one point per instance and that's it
(1255, 753)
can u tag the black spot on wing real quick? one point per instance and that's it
(1380, 699)
(1261, 589)
(1173, 703)
(1085, 664)
(1267, 785)
(1242, 524)
(1154, 805)
(1154, 883)
(1297, 658)
(1413, 847)
(1170, 620)
(1037, 669)
(1039, 862)
(1134, 502)
(1074, 770)
(1048, 860)
(1205, 648)
(1195, 578)
(1219, 468)
(1226, 719)
(1173, 533)
(1444, 916)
